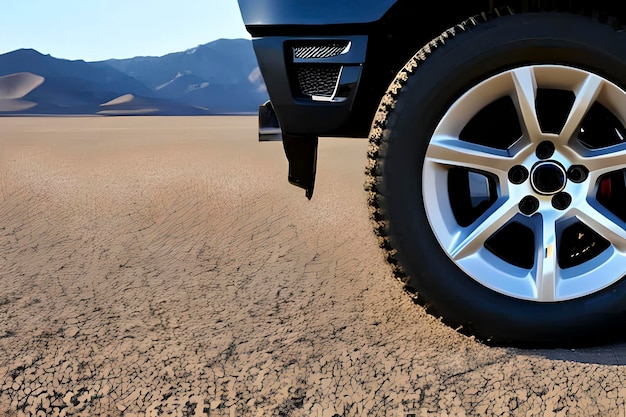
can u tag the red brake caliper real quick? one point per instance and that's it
(605, 189)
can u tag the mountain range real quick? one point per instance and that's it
(220, 77)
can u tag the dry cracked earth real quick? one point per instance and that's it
(163, 266)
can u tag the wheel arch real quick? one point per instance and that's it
(394, 39)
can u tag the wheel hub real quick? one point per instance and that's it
(548, 177)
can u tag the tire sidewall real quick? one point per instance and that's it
(458, 65)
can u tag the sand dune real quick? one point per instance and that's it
(15, 105)
(163, 266)
(126, 99)
(128, 104)
(15, 86)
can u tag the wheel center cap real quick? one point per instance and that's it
(548, 177)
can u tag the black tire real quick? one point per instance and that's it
(425, 191)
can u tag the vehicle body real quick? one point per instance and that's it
(496, 174)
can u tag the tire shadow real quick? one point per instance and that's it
(613, 354)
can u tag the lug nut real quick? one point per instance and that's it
(528, 205)
(577, 173)
(518, 174)
(561, 201)
(544, 150)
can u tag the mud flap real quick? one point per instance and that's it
(301, 152)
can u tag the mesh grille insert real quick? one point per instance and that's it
(317, 80)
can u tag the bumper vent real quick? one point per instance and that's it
(316, 50)
(325, 70)
(318, 81)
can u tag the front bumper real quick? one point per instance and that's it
(311, 81)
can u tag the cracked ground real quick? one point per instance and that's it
(164, 266)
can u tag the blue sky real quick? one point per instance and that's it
(101, 29)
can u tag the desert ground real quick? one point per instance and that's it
(164, 266)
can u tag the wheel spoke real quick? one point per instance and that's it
(449, 151)
(605, 160)
(600, 221)
(471, 239)
(546, 264)
(526, 93)
(585, 98)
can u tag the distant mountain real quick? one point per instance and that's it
(218, 77)
(68, 86)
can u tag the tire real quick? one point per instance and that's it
(496, 179)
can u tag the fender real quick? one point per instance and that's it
(319, 12)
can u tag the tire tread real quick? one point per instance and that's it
(378, 141)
